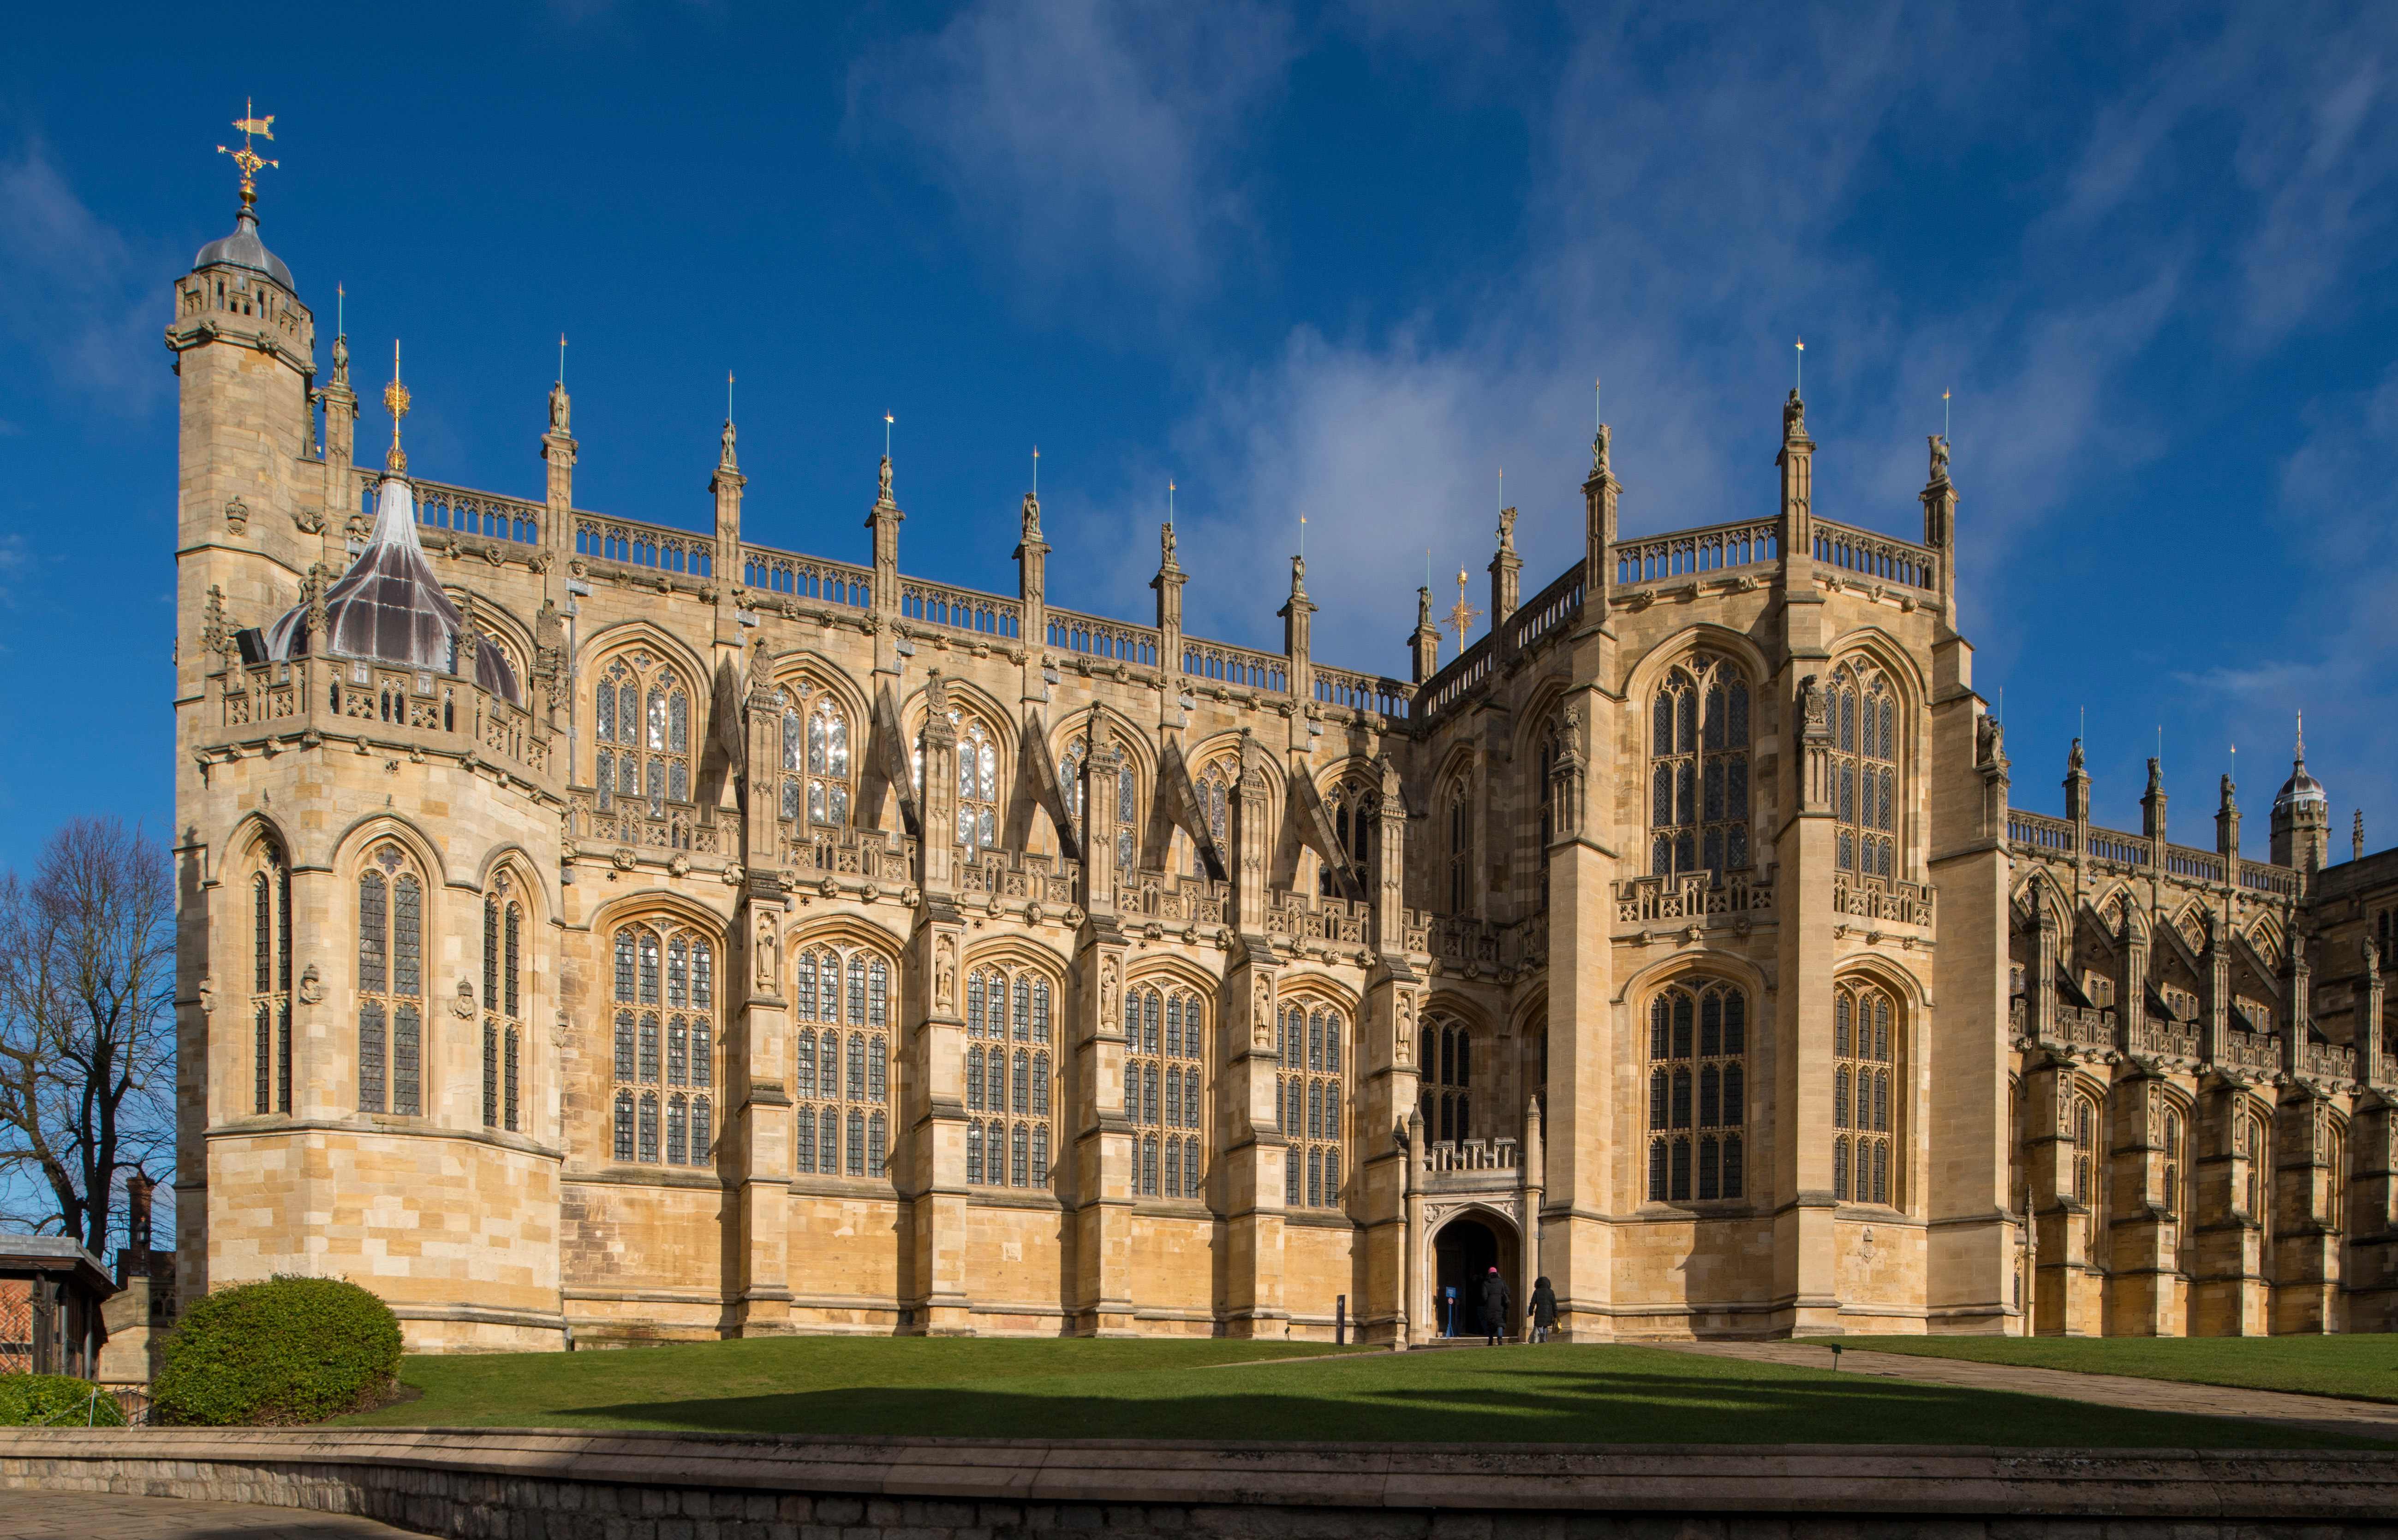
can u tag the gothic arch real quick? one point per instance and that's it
(2118, 899)
(1880, 969)
(1013, 952)
(650, 902)
(1721, 965)
(352, 842)
(2264, 941)
(1706, 635)
(968, 699)
(856, 930)
(1542, 704)
(799, 664)
(1129, 739)
(2039, 892)
(1180, 972)
(241, 845)
(1893, 657)
(603, 645)
(1313, 988)
(519, 864)
(499, 624)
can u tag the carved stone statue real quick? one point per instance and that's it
(1166, 544)
(724, 455)
(765, 953)
(1992, 739)
(1600, 443)
(560, 408)
(1939, 457)
(1506, 528)
(1814, 711)
(1032, 512)
(882, 485)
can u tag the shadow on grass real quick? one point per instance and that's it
(1558, 1403)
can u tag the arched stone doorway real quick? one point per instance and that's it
(1464, 1250)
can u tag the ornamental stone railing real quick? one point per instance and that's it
(630, 824)
(306, 699)
(1700, 896)
(1020, 875)
(1882, 898)
(1306, 917)
(1451, 1155)
(1175, 899)
(2163, 1040)
(874, 855)
(2255, 1051)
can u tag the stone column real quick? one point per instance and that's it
(1102, 1132)
(2372, 1275)
(1588, 1176)
(2305, 1249)
(1806, 1288)
(2229, 1242)
(1506, 575)
(1032, 592)
(726, 580)
(754, 1153)
(2142, 1270)
(1255, 1150)
(2060, 1308)
(936, 1111)
(1388, 1075)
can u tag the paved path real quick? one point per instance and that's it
(97, 1515)
(2326, 1414)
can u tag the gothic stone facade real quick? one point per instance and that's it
(806, 947)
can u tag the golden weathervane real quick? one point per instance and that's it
(1463, 617)
(250, 160)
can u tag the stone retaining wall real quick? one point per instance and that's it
(515, 1485)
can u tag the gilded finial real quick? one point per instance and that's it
(395, 401)
(249, 159)
(1463, 615)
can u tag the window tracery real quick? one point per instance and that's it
(1865, 771)
(1698, 1092)
(642, 717)
(1351, 805)
(1007, 1078)
(1127, 806)
(977, 783)
(1459, 821)
(816, 756)
(1166, 1069)
(1309, 1106)
(1447, 1072)
(1698, 770)
(503, 1003)
(1214, 788)
(391, 984)
(1863, 1057)
(270, 998)
(665, 1059)
(842, 1061)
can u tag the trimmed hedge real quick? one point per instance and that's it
(56, 1400)
(291, 1349)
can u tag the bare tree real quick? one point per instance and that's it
(86, 1025)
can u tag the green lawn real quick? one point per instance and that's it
(1142, 1389)
(2362, 1367)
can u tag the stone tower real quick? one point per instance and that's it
(2301, 815)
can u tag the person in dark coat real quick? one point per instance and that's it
(1494, 1306)
(1544, 1310)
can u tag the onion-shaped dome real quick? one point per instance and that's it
(389, 607)
(243, 248)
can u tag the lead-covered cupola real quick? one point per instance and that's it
(389, 607)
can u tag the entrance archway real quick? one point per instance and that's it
(1464, 1250)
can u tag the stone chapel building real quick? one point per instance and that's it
(596, 930)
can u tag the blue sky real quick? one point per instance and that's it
(1350, 259)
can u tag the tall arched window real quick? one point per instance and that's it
(643, 729)
(1214, 788)
(2090, 1171)
(1698, 770)
(270, 981)
(1865, 771)
(977, 783)
(1448, 1074)
(1007, 1078)
(665, 1044)
(1698, 1092)
(1865, 1042)
(1351, 805)
(1127, 808)
(2173, 1164)
(503, 1003)
(1309, 1104)
(816, 756)
(391, 984)
(2256, 1146)
(840, 1002)
(1458, 817)
(2336, 1160)
(1165, 1076)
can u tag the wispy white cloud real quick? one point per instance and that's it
(1092, 139)
(74, 293)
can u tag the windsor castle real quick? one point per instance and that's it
(595, 930)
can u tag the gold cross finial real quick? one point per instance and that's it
(395, 401)
(250, 160)
(1462, 616)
